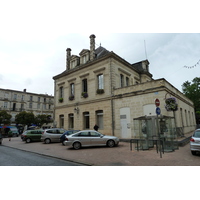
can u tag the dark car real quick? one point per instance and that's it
(1, 138)
(69, 132)
(32, 135)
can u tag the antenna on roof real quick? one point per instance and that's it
(145, 49)
(98, 44)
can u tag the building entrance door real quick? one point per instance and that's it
(125, 122)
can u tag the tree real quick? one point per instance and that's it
(25, 118)
(192, 91)
(42, 119)
(5, 118)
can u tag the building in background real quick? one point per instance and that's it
(100, 87)
(14, 102)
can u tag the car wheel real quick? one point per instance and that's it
(28, 140)
(77, 145)
(193, 152)
(110, 143)
(47, 141)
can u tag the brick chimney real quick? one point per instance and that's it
(68, 55)
(92, 47)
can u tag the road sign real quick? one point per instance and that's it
(157, 102)
(158, 111)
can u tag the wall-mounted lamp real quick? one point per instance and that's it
(76, 110)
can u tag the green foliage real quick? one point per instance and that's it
(25, 118)
(28, 118)
(42, 119)
(192, 91)
(5, 117)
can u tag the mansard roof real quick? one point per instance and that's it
(101, 51)
(138, 65)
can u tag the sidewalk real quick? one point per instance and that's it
(104, 156)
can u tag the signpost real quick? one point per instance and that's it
(158, 112)
(157, 102)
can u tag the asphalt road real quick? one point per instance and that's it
(15, 157)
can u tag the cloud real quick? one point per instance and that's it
(1, 77)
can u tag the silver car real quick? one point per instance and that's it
(90, 138)
(52, 135)
(195, 142)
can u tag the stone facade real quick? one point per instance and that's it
(102, 88)
(14, 101)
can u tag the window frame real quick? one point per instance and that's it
(100, 81)
(61, 92)
(85, 85)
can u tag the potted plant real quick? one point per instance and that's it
(71, 97)
(84, 94)
(60, 100)
(100, 91)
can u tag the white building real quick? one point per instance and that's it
(14, 101)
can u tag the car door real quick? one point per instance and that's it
(52, 134)
(38, 135)
(33, 135)
(58, 134)
(83, 138)
(96, 139)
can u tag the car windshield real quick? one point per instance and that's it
(197, 134)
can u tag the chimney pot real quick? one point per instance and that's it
(92, 46)
(68, 55)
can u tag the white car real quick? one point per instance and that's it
(90, 138)
(195, 142)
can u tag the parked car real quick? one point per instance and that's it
(1, 138)
(22, 135)
(33, 135)
(195, 142)
(69, 132)
(52, 135)
(90, 138)
(13, 129)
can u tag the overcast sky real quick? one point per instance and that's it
(34, 37)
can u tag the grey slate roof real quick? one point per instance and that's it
(101, 51)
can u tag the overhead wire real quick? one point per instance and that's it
(190, 67)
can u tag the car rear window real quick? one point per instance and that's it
(197, 134)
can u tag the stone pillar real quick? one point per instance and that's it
(68, 55)
(92, 47)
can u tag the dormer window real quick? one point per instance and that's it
(74, 61)
(84, 59)
(84, 54)
(73, 64)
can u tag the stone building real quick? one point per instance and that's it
(100, 87)
(14, 101)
